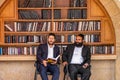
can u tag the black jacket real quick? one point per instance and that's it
(42, 52)
(68, 53)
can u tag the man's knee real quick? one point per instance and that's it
(56, 71)
(43, 71)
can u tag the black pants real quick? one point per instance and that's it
(74, 69)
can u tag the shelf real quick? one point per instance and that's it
(90, 43)
(104, 57)
(47, 8)
(20, 44)
(33, 58)
(34, 8)
(30, 20)
(70, 8)
(17, 58)
(27, 33)
(46, 20)
(73, 20)
(99, 43)
(57, 32)
(63, 43)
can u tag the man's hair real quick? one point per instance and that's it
(81, 35)
(52, 34)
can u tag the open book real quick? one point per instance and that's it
(51, 60)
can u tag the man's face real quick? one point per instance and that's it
(78, 39)
(51, 40)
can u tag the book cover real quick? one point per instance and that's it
(51, 60)
(8, 27)
(0, 51)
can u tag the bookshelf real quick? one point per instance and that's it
(22, 32)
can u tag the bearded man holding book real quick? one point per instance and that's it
(47, 58)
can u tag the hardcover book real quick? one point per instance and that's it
(52, 60)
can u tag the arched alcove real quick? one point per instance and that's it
(109, 14)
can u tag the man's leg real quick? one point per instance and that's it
(43, 72)
(85, 73)
(72, 71)
(55, 71)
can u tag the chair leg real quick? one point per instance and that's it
(66, 77)
(35, 76)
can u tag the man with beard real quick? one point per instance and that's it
(78, 57)
(45, 51)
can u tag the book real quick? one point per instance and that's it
(8, 27)
(51, 60)
(1, 51)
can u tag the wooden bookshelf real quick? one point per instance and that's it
(17, 58)
(24, 23)
(33, 58)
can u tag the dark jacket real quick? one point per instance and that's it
(67, 55)
(42, 52)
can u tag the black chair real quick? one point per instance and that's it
(37, 72)
(66, 73)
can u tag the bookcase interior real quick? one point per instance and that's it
(26, 25)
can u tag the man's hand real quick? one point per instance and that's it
(85, 65)
(44, 63)
(65, 63)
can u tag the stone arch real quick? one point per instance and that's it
(113, 10)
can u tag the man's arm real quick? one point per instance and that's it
(65, 56)
(39, 56)
(57, 55)
(88, 56)
(39, 53)
(88, 59)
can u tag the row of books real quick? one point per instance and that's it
(18, 50)
(77, 26)
(87, 38)
(47, 14)
(108, 49)
(62, 48)
(101, 49)
(78, 3)
(98, 49)
(31, 38)
(57, 26)
(34, 14)
(34, 3)
(25, 39)
(57, 14)
(25, 50)
(43, 38)
(77, 14)
(39, 14)
(27, 26)
(48, 3)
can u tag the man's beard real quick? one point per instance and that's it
(78, 44)
(51, 43)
